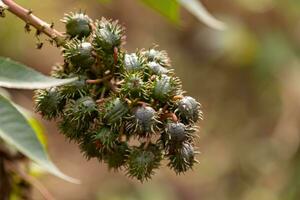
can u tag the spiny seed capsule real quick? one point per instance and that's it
(80, 54)
(81, 110)
(176, 131)
(164, 88)
(117, 157)
(161, 57)
(157, 69)
(107, 35)
(188, 109)
(77, 25)
(182, 160)
(106, 137)
(49, 103)
(89, 147)
(75, 90)
(114, 111)
(144, 121)
(142, 162)
(132, 62)
(133, 86)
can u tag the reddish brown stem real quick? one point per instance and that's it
(172, 116)
(27, 16)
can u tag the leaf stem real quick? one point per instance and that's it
(30, 19)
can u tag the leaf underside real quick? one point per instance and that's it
(18, 76)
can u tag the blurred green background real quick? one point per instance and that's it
(247, 79)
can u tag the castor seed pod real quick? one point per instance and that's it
(49, 103)
(142, 161)
(157, 69)
(80, 54)
(78, 25)
(106, 137)
(75, 90)
(117, 157)
(114, 111)
(188, 109)
(81, 111)
(132, 62)
(133, 86)
(176, 131)
(153, 55)
(182, 160)
(107, 36)
(89, 147)
(144, 121)
(71, 129)
(165, 87)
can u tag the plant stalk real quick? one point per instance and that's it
(32, 20)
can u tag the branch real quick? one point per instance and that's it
(30, 19)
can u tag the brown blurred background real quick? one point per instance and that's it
(247, 79)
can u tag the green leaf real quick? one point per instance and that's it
(167, 8)
(196, 8)
(15, 130)
(17, 75)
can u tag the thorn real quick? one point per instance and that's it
(52, 25)
(27, 28)
(29, 12)
(39, 45)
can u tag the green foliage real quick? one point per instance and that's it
(168, 8)
(121, 110)
(15, 130)
(16, 75)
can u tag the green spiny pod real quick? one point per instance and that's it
(161, 57)
(49, 103)
(183, 159)
(165, 87)
(89, 147)
(106, 137)
(72, 130)
(133, 62)
(143, 160)
(114, 111)
(76, 89)
(107, 36)
(117, 157)
(81, 112)
(188, 110)
(144, 122)
(176, 131)
(78, 25)
(157, 69)
(133, 86)
(80, 54)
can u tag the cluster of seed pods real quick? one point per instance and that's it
(125, 109)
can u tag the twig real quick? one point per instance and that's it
(97, 81)
(30, 19)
